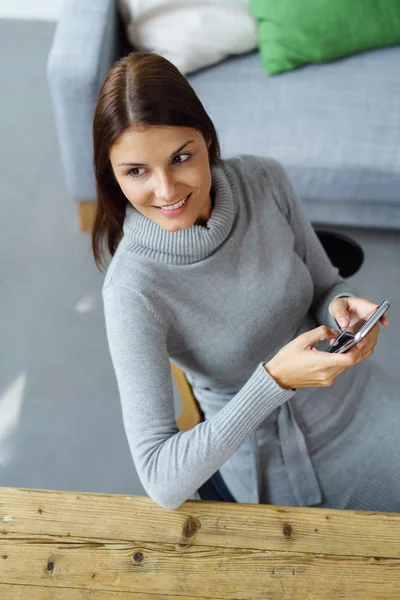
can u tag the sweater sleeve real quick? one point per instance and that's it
(328, 284)
(171, 464)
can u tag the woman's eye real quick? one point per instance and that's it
(135, 171)
(184, 154)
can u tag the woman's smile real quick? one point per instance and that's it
(174, 209)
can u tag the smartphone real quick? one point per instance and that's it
(355, 332)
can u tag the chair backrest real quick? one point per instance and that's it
(343, 251)
(191, 413)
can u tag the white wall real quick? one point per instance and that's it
(44, 10)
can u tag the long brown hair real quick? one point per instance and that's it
(141, 89)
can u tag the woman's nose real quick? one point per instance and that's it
(165, 187)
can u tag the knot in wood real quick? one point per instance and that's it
(191, 527)
(50, 566)
(138, 557)
(287, 530)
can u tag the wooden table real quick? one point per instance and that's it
(71, 545)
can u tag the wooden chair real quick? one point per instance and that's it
(191, 413)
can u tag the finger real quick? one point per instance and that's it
(363, 356)
(384, 320)
(362, 344)
(363, 353)
(338, 309)
(342, 317)
(361, 306)
(370, 342)
(337, 333)
(348, 358)
(374, 331)
(366, 342)
(372, 336)
(309, 338)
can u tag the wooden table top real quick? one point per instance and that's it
(72, 545)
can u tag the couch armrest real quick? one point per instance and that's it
(84, 47)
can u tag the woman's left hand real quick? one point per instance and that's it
(343, 309)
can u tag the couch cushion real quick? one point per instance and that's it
(295, 32)
(191, 35)
(335, 127)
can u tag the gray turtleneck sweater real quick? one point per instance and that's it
(220, 301)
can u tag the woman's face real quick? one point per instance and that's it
(159, 167)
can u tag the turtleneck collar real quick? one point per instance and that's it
(147, 238)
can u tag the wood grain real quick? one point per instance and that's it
(77, 544)
(23, 592)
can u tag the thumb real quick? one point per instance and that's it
(341, 315)
(309, 338)
(342, 320)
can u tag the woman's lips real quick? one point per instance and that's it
(176, 211)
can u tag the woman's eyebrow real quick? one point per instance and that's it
(132, 164)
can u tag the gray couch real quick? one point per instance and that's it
(335, 127)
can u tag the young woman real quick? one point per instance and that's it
(215, 266)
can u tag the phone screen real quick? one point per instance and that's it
(341, 340)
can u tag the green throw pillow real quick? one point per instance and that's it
(292, 33)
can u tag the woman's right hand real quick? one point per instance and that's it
(299, 364)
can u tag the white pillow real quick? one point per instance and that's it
(191, 34)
